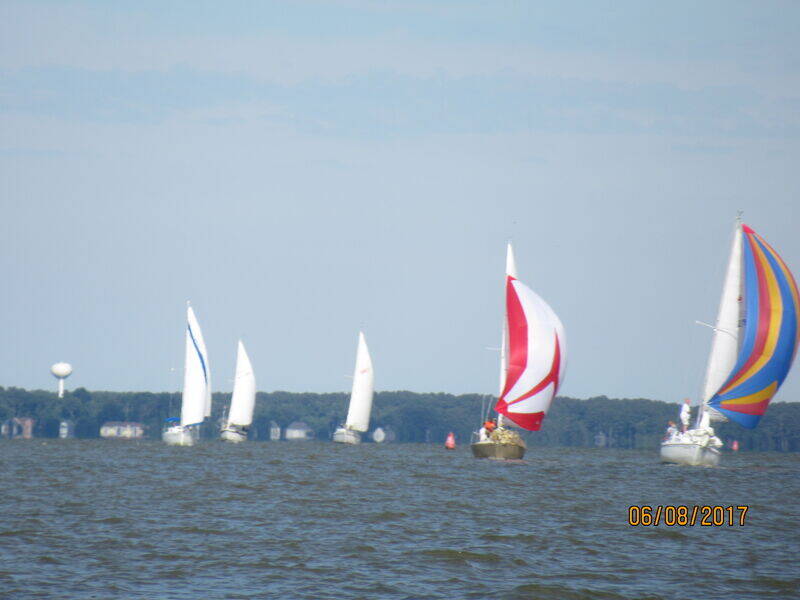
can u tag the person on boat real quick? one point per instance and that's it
(482, 435)
(672, 429)
(490, 426)
(686, 415)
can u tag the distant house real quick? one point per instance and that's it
(299, 431)
(274, 431)
(66, 429)
(18, 428)
(126, 430)
(382, 435)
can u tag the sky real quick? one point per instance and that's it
(301, 171)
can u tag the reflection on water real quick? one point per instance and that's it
(101, 519)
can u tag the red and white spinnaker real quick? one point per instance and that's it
(534, 356)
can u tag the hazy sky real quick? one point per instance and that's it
(303, 170)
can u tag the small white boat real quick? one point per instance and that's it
(360, 398)
(532, 366)
(754, 342)
(196, 399)
(243, 399)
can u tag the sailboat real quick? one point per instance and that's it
(532, 366)
(360, 398)
(753, 346)
(243, 399)
(196, 400)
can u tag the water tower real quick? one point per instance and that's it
(61, 371)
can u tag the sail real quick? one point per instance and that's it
(243, 399)
(196, 403)
(536, 356)
(361, 395)
(728, 328)
(769, 338)
(511, 271)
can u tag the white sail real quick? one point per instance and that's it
(196, 403)
(243, 400)
(511, 271)
(727, 330)
(361, 395)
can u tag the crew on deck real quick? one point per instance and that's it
(686, 415)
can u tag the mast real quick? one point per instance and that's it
(727, 329)
(511, 271)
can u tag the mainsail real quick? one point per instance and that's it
(536, 356)
(361, 395)
(728, 328)
(243, 399)
(196, 404)
(769, 337)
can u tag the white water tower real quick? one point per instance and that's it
(61, 371)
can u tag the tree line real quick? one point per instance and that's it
(414, 417)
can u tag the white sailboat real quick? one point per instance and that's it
(532, 367)
(360, 398)
(243, 399)
(196, 399)
(754, 342)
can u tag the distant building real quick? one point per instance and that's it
(274, 431)
(382, 435)
(601, 440)
(18, 428)
(299, 431)
(127, 430)
(66, 429)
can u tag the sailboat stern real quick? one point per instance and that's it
(504, 444)
(346, 436)
(178, 435)
(234, 433)
(682, 453)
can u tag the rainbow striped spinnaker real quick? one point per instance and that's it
(757, 332)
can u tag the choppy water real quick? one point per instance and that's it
(106, 519)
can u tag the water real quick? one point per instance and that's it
(108, 519)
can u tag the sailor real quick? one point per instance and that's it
(686, 414)
(671, 430)
(482, 435)
(490, 426)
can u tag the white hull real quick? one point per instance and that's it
(179, 436)
(346, 436)
(682, 453)
(232, 435)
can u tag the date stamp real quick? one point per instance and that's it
(686, 516)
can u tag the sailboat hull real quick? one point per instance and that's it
(346, 436)
(179, 436)
(233, 435)
(689, 454)
(496, 451)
